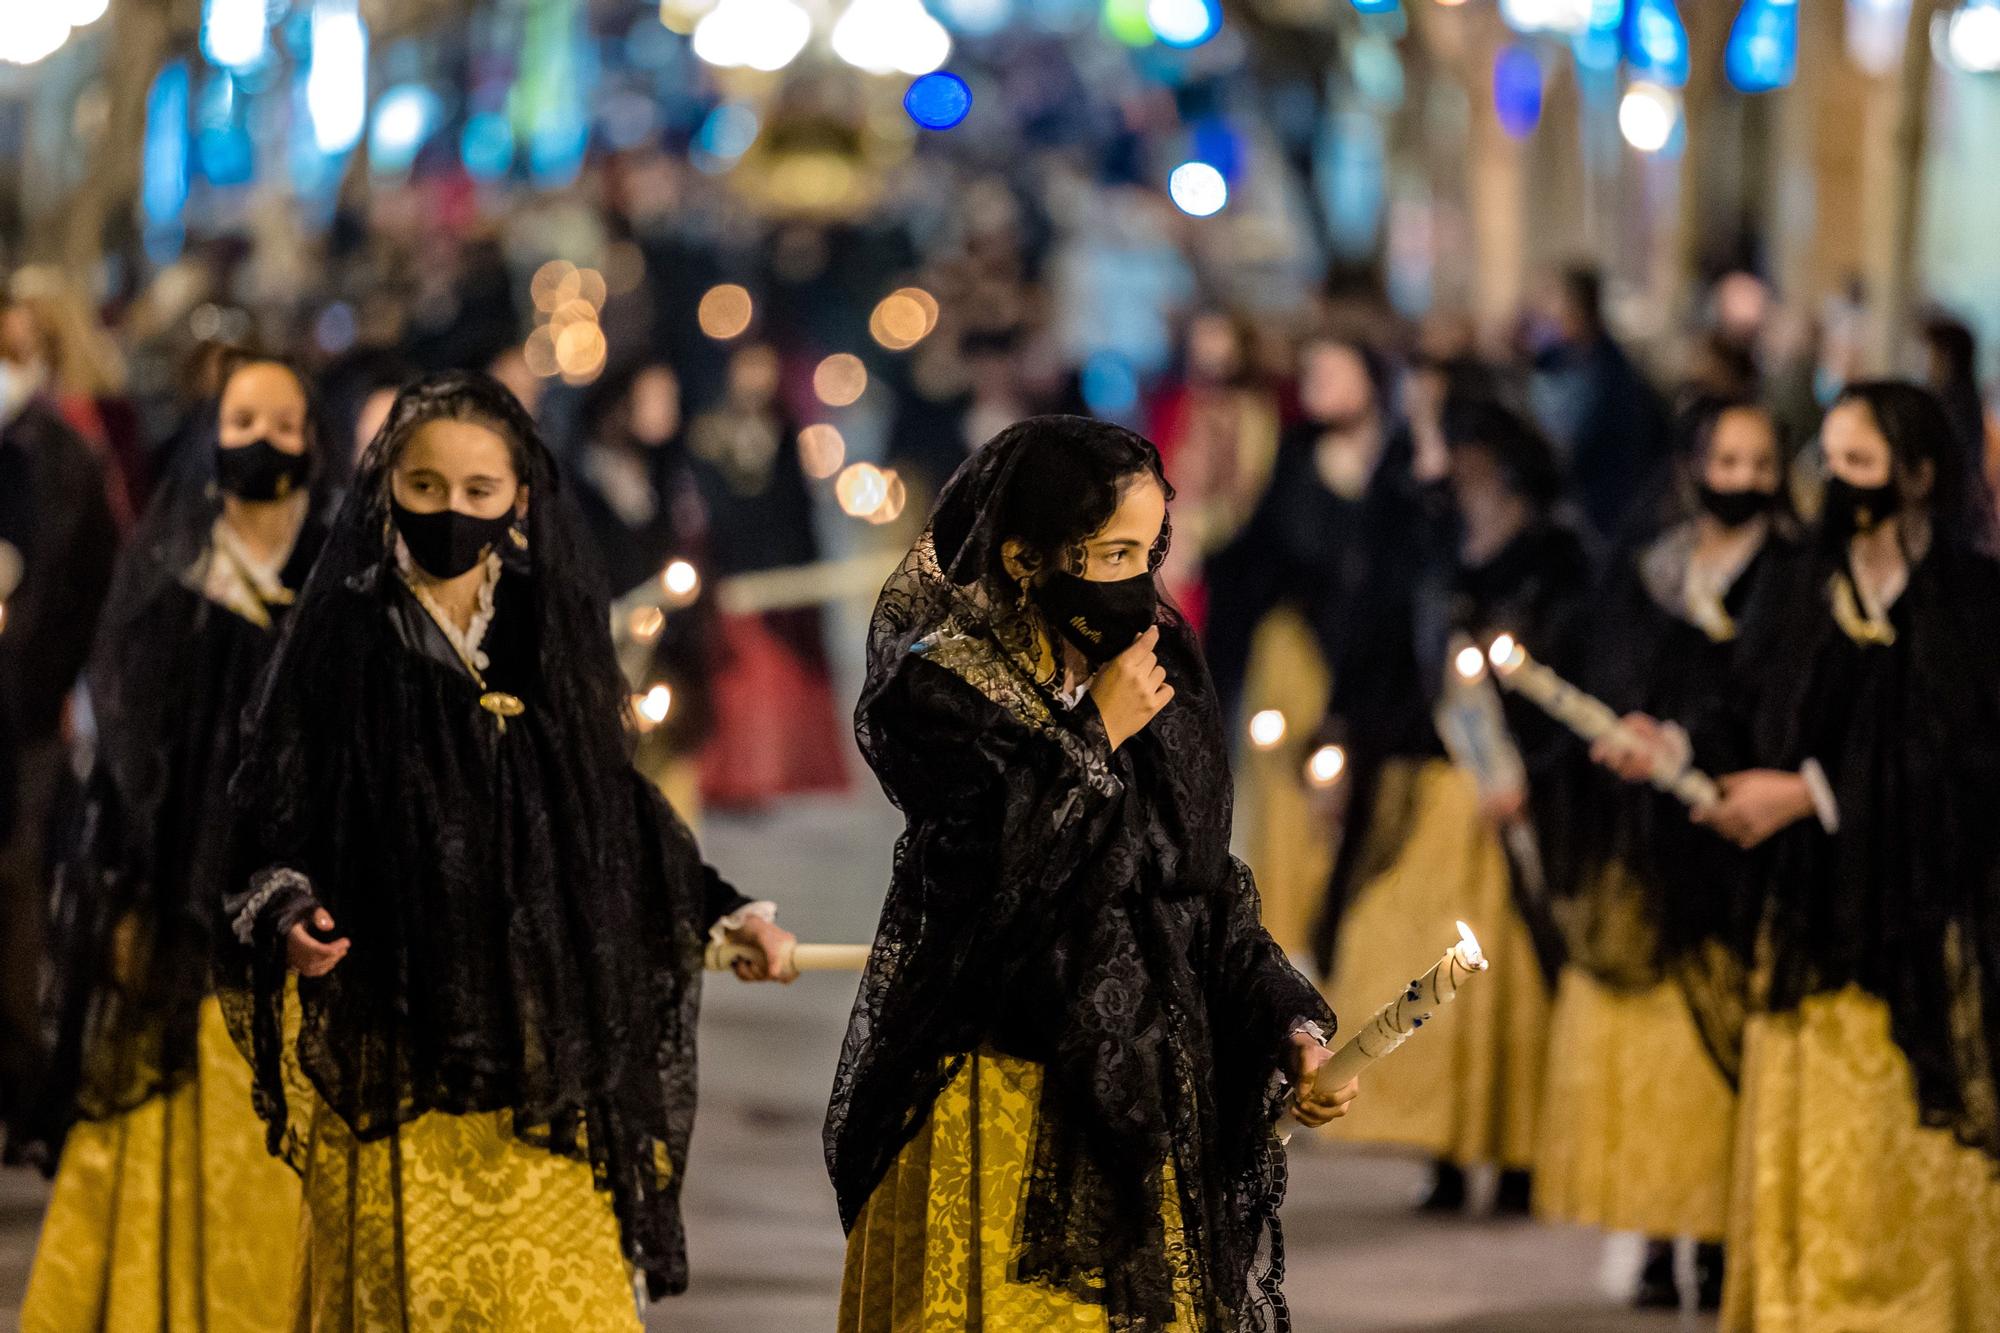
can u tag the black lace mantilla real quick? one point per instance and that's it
(526, 914)
(1076, 906)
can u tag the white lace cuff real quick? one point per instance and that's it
(1825, 804)
(760, 910)
(266, 886)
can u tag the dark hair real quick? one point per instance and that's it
(239, 359)
(1071, 476)
(1373, 364)
(469, 396)
(1584, 288)
(1914, 423)
(1475, 421)
(1953, 341)
(1700, 419)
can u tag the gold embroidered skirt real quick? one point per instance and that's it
(1847, 1215)
(1636, 1120)
(453, 1224)
(932, 1250)
(1286, 845)
(171, 1216)
(1467, 1087)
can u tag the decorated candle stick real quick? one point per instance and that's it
(1592, 719)
(1395, 1022)
(721, 954)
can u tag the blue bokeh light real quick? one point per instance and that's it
(1763, 52)
(938, 100)
(1517, 89)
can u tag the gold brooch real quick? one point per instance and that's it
(1855, 622)
(502, 706)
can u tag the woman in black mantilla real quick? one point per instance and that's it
(1638, 1135)
(1425, 844)
(1862, 755)
(166, 1205)
(485, 1070)
(1056, 1100)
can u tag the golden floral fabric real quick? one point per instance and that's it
(454, 1225)
(1636, 1120)
(933, 1248)
(1848, 1215)
(1468, 1086)
(171, 1216)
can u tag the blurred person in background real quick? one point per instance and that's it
(167, 1205)
(1423, 844)
(1610, 428)
(642, 509)
(1216, 427)
(58, 539)
(1335, 529)
(1951, 371)
(775, 732)
(54, 338)
(1858, 751)
(1640, 1114)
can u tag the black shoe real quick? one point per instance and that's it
(1657, 1288)
(1512, 1198)
(1447, 1190)
(1708, 1271)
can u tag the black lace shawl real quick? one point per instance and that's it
(526, 914)
(1076, 906)
(135, 917)
(1904, 900)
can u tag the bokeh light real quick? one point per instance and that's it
(539, 351)
(1197, 189)
(938, 100)
(1325, 766)
(581, 351)
(861, 489)
(1184, 23)
(760, 34)
(822, 451)
(902, 319)
(840, 380)
(1267, 729)
(655, 704)
(555, 284)
(895, 496)
(1470, 663)
(681, 582)
(724, 312)
(1647, 116)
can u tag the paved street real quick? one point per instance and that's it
(767, 1245)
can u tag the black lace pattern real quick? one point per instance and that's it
(1076, 906)
(526, 914)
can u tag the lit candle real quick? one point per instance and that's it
(1395, 1022)
(1592, 719)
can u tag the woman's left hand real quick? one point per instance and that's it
(1312, 1108)
(1756, 804)
(772, 944)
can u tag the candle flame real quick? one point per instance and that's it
(656, 703)
(1469, 663)
(680, 580)
(1506, 653)
(1267, 729)
(1326, 765)
(1468, 948)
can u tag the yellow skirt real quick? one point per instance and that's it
(1287, 846)
(453, 1225)
(1848, 1216)
(172, 1215)
(1467, 1087)
(933, 1248)
(1636, 1120)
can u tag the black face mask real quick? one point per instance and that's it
(1101, 619)
(447, 543)
(259, 471)
(1849, 510)
(1732, 509)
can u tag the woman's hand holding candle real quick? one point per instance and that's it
(763, 952)
(1311, 1106)
(308, 954)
